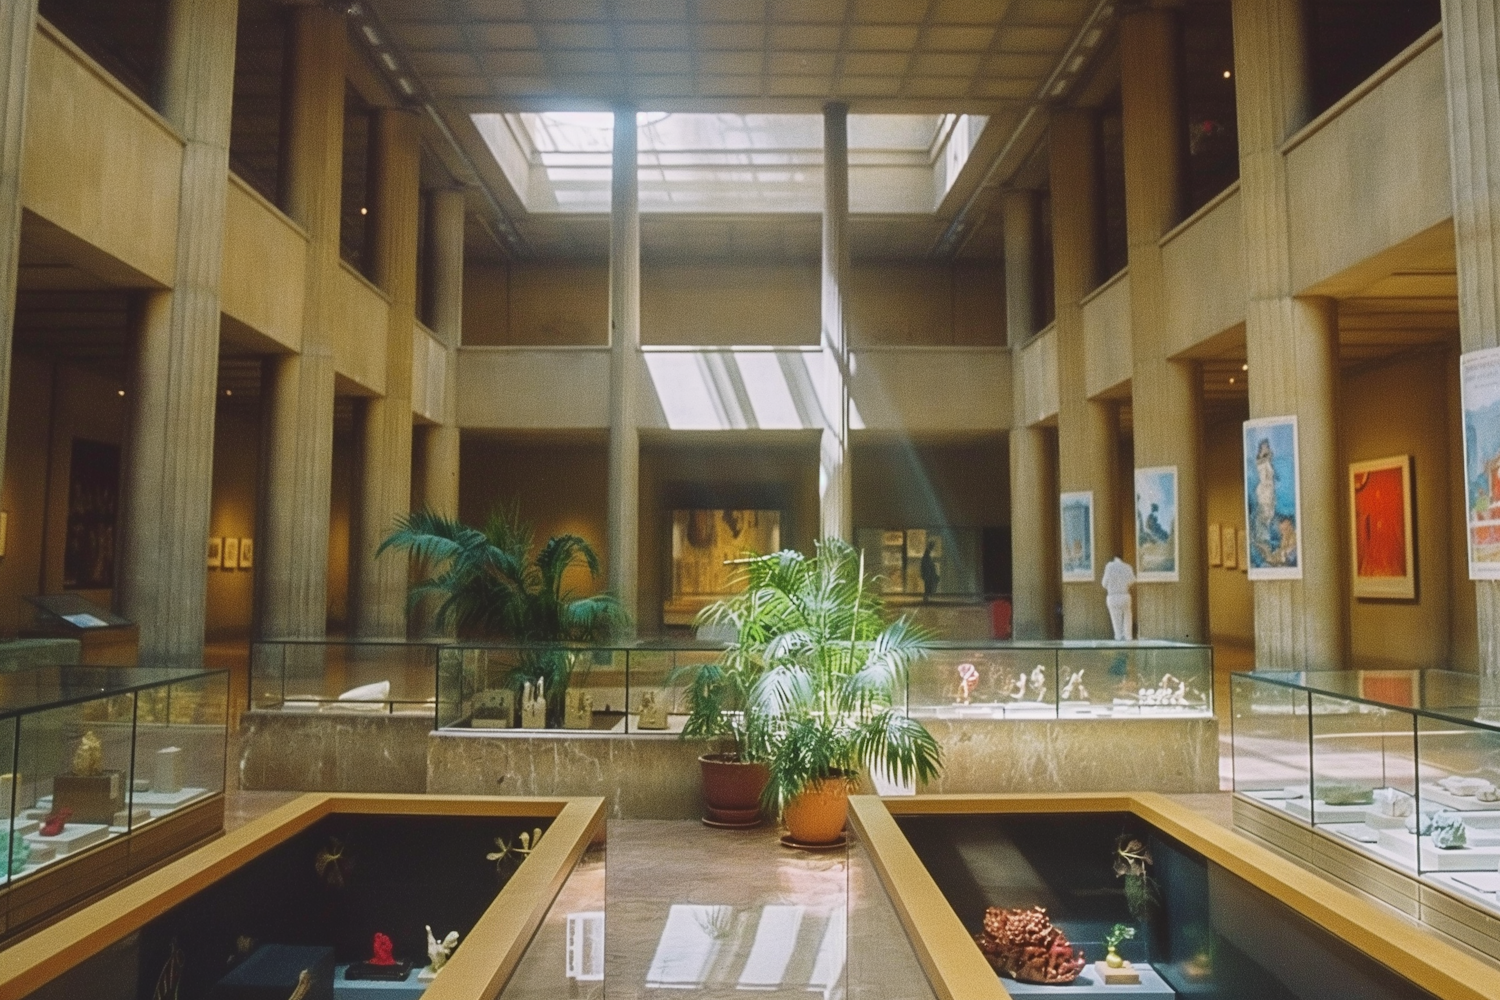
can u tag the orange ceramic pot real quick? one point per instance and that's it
(732, 789)
(816, 815)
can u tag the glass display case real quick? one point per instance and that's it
(354, 675)
(1402, 766)
(1062, 680)
(94, 755)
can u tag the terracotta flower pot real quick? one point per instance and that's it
(732, 789)
(817, 814)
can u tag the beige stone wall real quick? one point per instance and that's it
(1231, 613)
(964, 484)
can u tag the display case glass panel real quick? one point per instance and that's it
(354, 676)
(1459, 800)
(1364, 766)
(1270, 742)
(1137, 679)
(973, 682)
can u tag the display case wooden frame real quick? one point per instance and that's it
(477, 970)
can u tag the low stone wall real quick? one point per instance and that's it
(328, 752)
(1077, 755)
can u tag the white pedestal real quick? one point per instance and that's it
(74, 837)
(167, 778)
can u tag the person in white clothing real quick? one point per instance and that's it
(1118, 579)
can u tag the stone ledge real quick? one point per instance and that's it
(329, 752)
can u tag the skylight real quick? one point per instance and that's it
(560, 161)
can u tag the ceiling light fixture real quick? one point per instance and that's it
(1226, 74)
(389, 60)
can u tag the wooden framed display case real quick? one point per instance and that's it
(108, 771)
(266, 889)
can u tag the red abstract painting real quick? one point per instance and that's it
(1380, 504)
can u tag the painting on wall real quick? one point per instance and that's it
(93, 500)
(1156, 544)
(705, 547)
(1231, 547)
(247, 553)
(1381, 530)
(1215, 543)
(1077, 517)
(231, 553)
(1273, 504)
(215, 553)
(1479, 381)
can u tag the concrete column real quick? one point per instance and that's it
(834, 484)
(625, 360)
(297, 449)
(377, 586)
(446, 242)
(1088, 431)
(167, 486)
(1291, 343)
(1471, 47)
(17, 26)
(1166, 395)
(1033, 501)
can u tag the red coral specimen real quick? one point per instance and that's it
(1025, 945)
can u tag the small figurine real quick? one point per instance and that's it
(534, 705)
(1448, 831)
(1074, 689)
(1020, 691)
(382, 965)
(1117, 580)
(653, 713)
(55, 822)
(1039, 683)
(438, 953)
(578, 709)
(1112, 940)
(88, 759)
(513, 850)
(968, 680)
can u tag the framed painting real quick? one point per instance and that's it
(1479, 388)
(1156, 545)
(1215, 545)
(231, 553)
(247, 553)
(1380, 527)
(1231, 547)
(1273, 499)
(215, 553)
(1077, 537)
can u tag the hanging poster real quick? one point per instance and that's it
(1479, 380)
(1156, 545)
(1078, 537)
(1380, 526)
(1273, 504)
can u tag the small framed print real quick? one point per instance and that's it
(215, 553)
(247, 553)
(1215, 546)
(231, 553)
(1229, 547)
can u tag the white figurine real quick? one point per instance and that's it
(1020, 691)
(438, 953)
(1039, 683)
(1118, 579)
(534, 706)
(1074, 689)
(968, 680)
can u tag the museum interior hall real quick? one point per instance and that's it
(863, 498)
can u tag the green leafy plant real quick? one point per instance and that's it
(493, 582)
(1116, 935)
(1132, 859)
(809, 683)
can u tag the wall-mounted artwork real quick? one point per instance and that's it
(247, 553)
(1077, 516)
(1215, 546)
(1479, 380)
(215, 553)
(705, 545)
(93, 500)
(1273, 504)
(1156, 544)
(1231, 547)
(231, 553)
(1381, 529)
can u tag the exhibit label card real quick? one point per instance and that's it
(1156, 542)
(1479, 381)
(1078, 537)
(1273, 499)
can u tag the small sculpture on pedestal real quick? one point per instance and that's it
(438, 953)
(1118, 578)
(968, 680)
(1039, 683)
(1020, 688)
(1074, 689)
(653, 713)
(534, 705)
(494, 709)
(1025, 945)
(381, 965)
(88, 758)
(1114, 970)
(93, 794)
(578, 709)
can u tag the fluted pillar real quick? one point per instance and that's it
(167, 480)
(377, 586)
(1166, 395)
(1471, 48)
(17, 26)
(298, 389)
(1033, 526)
(446, 242)
(1087, 430)
(624, 369)
(1291, 343)
(834, 483)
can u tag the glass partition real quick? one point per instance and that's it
(1459, 802)
(1272, 761)
(322, 675)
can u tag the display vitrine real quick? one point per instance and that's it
(355, 675)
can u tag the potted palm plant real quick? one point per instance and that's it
(814, 672)
(493, 582)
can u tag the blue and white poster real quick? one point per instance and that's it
(1156, 546)
(1273, 499)
(1078, 537)
(1479, 384)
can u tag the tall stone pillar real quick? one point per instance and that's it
(446, 241)
(1471, 41)
(1291, 343)
(377, 586)
(1088, 431)
(1166, 395)
(17, 26)
(297, 450)
(1033, 503)
(834, 484)
(167, 486)
(624, 367)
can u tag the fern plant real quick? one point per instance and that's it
(810, 683)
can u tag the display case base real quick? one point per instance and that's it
(1090, 986)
